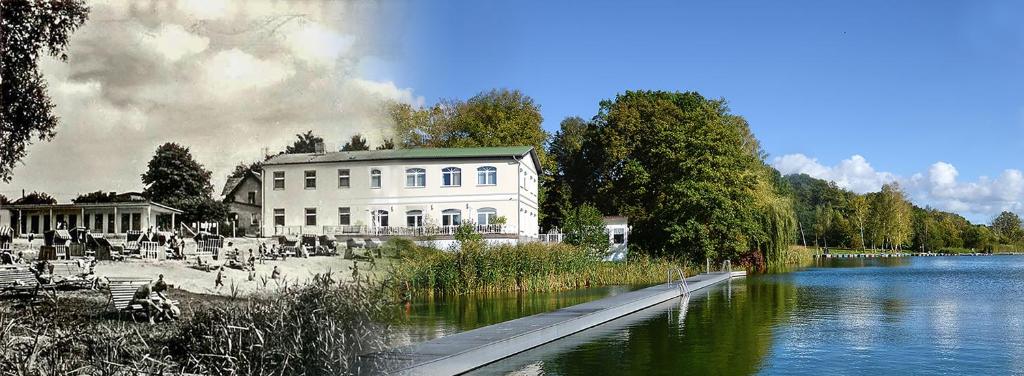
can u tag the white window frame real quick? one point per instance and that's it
(451, 177)
(279, 213)
(486, 216)
(376, 174)
(416, 216)
(487, 175)
(346, 174)
(344, 212)
(378, 215)
(306, 216)
(453, 217)
(278, 178)
(306, 178)
(415, 177)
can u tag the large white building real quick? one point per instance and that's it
(426, 192)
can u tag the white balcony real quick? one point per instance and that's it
(422, 231)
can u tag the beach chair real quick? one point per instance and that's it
(122, 291)
(6, 237)
(20, 281)
(308, 244)
(131, 243)
(69, 274)
(328, 245)
(152, 250)
(289, 245)
(373, 243)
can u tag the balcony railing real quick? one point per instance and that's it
(359, 230)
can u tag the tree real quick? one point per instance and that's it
(173, 173)
(584, 227)
(243, 168)
(356, 143)
(859, 214)
(95, 197)
(174, 178)
(1008, 226)
(572, 177)
(822, 224)
(388, 144)
(304, 143)
(36, 198)
(26, 28)
(685, 172)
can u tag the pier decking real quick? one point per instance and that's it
(468, 350)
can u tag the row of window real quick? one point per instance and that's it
(414, 177)
(129, 221)
(381, 218)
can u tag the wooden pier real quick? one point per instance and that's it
(462, 352)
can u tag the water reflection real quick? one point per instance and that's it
(435, 316)
(948, 315)
(677, 337)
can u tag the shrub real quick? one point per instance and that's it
(584, 227)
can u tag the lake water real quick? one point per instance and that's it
(923, 315)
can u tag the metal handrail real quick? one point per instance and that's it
(684, 289)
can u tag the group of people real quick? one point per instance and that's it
(158, 307)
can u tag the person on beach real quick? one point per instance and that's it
(219, 281)
(160, 286)
(276, 273)
(144, 297)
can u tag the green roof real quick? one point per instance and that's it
(417, 153)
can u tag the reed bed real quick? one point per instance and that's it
(318, 328)
(528, 267)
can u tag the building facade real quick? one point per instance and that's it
(100, 218)
(244, 196)
(407, 192)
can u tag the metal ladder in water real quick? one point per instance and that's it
(681, 285)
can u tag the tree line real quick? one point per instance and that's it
(831, 217)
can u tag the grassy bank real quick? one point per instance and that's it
(318, 328)
(522, 267)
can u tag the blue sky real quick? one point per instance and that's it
(903, 85)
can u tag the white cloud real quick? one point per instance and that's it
(226, 79)
(938, 187)
(854, 173)
(173, 42)
(232, 72)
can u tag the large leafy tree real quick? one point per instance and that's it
(356, 143)
(572, 177)
(304, 143)
(498, 117)
(1008, 226)
(243, 168)
(686, 173)
(176, 179)
(26, 28)
(36, 198)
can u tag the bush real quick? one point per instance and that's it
(584, 227)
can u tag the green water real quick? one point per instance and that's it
(432, 317)
(910, 316)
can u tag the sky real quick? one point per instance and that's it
(924, 93)
(225, 78)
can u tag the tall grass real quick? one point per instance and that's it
(315, 329)
(478, 267)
